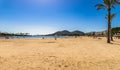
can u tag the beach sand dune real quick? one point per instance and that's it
(62, 54)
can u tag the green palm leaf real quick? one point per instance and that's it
(107, 2)
(111, 16)
(100, 6)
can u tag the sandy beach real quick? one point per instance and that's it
(83, 53)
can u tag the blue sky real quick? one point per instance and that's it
(48, 16)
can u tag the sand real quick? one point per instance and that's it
(62, 54)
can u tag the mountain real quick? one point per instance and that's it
(77, 32)
(68, 33)
(64, 32)
(115, 30)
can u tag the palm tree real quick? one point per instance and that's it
(108, 5)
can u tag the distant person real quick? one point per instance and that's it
(55, 37)
(6, 37)
(43, 38)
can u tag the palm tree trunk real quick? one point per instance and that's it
(112, 38)
(109, 26)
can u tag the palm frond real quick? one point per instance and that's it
(100, 6)
(107, 2)
(115, 2)
(111, 16)
(113, 6)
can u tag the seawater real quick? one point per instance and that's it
(35, 37)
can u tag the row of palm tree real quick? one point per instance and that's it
(108, 5)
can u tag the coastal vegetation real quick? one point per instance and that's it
(115, 32)
(13, 34)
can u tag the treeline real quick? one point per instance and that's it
(114, 32)
(13, 34)
(100, 34)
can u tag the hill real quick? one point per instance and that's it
(68, 33)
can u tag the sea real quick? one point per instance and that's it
(37, 37)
